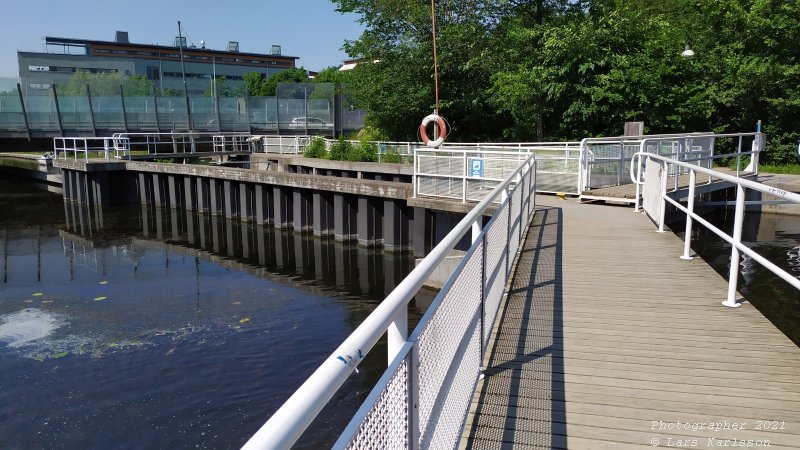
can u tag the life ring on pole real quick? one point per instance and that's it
(423, 130)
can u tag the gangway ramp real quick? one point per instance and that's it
(615, 342)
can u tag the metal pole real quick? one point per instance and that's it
(687, 238)
(91, 109)
(733, 277)
(183, 73)
(58, 110)
(24, 111)
(305, 106)
(155, 108)
(464, 180)
(124, 114)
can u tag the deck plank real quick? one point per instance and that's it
(606, 330)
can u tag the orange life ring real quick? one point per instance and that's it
(423, 130)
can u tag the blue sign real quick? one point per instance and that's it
(476, 167)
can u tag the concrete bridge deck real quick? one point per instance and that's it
(609, 340)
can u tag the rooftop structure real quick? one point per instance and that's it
(62, 57)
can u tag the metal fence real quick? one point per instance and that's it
(423, 398)
(607, 161)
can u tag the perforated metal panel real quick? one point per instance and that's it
(496, 240)
(446, 383)
(386, 424)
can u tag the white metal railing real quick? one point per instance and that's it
(606, 161)
(64, 147)
(424, 396)
(180, 142)
(656, 197)
(682, 150)
(466, 174)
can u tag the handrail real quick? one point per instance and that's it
(735, 239)
(758, 144)
(297, 413)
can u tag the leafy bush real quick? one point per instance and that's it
(391, 156)
(316, 148)
(341, 150)
(365, 151)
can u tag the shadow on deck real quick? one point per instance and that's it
(521, 399)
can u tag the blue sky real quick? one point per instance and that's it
(309, 29)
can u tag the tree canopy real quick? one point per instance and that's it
(559, 69)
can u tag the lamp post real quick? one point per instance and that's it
(687, 52)
(183, 73)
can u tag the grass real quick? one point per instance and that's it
(790, 169)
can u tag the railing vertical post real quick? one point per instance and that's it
(739, 156)
(687, 239)
(397, 334)
(105, 147)
(476, 229)
(508, 228)
(413, 397)
(621, 161)
(483, 299)
(733, 277)
(464, 180)
(663, 212)
(414, 176)
(86, 149)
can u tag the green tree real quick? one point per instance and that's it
(222, 88)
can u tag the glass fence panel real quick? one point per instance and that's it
(263, 112)
(75, 114)
(172, 113)
(232, 113)
(11, 116)
(41, 111)
(141, 113)
(108, 112)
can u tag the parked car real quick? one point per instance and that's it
(313, 123)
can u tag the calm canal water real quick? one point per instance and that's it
(150, 328)
(774, 236)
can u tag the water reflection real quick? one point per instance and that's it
(151, 328)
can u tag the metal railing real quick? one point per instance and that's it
(716, 147)
(607, 161)
(103, 147)
(123, 145)
(655, 195)
(423, 398)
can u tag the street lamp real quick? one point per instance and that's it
(687, 52)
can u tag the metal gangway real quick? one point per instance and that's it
(423, 399)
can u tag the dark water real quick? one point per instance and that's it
(151, 328)
(774, 236)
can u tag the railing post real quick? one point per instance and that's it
(733, 277)
(476, 229)
(464, 180)
(105, 147)
(413, 397)
(122, 104)
(663, 212)
(397, 334)
(483, 300)
(687, 238)
(508, 229)
(414, 176)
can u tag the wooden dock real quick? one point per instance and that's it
(609, 340)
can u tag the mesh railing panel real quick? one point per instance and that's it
(496, 240)
(446, 383)
(386, 423)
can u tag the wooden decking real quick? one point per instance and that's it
(609, 340)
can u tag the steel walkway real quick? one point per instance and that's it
(590, 353)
